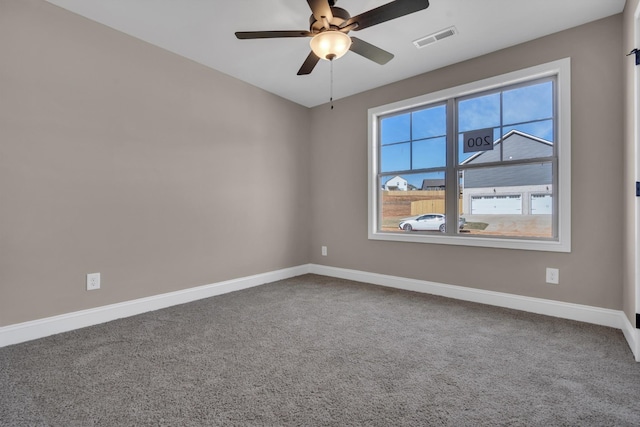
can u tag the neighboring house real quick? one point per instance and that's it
(397, 183)
(432, 185)
(524, 189)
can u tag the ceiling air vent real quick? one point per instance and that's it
(435, 37)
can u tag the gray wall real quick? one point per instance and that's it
(591, 274)
(630, 160)
(121, 158)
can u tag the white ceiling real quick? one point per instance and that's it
(203, 30)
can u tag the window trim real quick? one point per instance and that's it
(561, 69)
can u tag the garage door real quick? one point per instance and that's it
(541, 204)
(496, 205)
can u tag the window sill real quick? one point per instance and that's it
(475, 241)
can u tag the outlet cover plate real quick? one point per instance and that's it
(93, 281)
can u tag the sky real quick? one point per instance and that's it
(417, 140)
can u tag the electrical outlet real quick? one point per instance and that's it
(93, 281)
(553, 276)
(324, 251)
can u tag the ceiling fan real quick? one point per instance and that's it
(329, 28)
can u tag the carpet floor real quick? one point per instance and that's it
(320, 351)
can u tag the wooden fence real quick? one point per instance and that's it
(427, 206)
(434, 204)
(415, 202)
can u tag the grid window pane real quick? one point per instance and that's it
(408, 196)
(541, 129)
(481, 156)
(529, 103)
(395, 157)
(429, 153)
(395, 129)
(480, 112)
(430, 122)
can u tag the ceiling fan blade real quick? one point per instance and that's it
(320, 9)
(309, 64)
(387, 12)
(370, 51)
(347, 28)
(244, 35)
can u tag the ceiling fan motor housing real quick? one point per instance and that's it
(340, 16)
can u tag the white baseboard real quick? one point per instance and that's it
(582, 313)
(633, 337)
(27, 331)
(22, 332)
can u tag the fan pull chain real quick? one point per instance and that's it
(331, 89)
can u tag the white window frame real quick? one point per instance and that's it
(561, 69)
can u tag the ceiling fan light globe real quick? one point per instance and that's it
(330, 44)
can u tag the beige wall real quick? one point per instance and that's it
(591, 274)
(630, 159)
(121, 158)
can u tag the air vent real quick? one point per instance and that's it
(435, 37)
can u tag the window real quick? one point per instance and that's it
(491, 157)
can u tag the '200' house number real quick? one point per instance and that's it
(478, 140)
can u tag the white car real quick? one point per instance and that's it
(430, 221)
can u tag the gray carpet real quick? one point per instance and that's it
(318, 351)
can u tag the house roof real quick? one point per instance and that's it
(515, 145)
(430, 183)
(396, 178)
